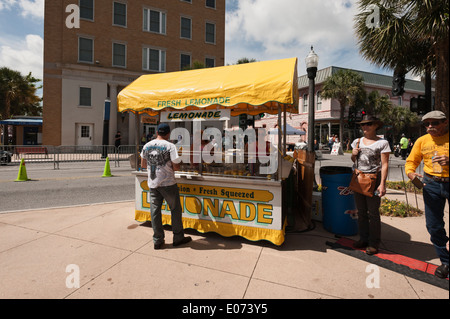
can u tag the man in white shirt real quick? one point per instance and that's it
(158, 157)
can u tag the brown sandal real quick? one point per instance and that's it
(371, 250)
(360, 244)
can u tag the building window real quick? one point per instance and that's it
(120, 14)
(154, 21)
(305, 103)
(153, 60)
(85, 131)
(319, 101)
(185, 61)
(400, 101)
(186, 27)
(190, 1)
(210, 62)
(87, 9)
(85, 96)
(119, 54)
(85, 50)
(211, 4)
(210, 36)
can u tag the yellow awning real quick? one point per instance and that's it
(251, 88)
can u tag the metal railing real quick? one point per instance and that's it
(13, 154)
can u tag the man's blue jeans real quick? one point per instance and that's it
(434, 196)
(172, 197)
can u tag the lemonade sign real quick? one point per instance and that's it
(196, 115)
(253, 212)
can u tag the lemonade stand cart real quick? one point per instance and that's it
(214, 199)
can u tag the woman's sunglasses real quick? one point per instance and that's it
(367, 124)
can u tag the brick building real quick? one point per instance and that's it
(115, 43)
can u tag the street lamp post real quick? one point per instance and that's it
(105, 139)
(312, 61)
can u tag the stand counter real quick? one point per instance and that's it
(229, 206)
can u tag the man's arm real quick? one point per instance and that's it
(176, 166)
(143, 163)
(413, 161)
(384, 173)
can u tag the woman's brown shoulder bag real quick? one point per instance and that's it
(362, 183)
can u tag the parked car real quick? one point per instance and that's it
(5, 157)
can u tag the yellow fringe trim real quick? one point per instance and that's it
(251, 233)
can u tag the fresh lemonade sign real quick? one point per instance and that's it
(223, 204)
(201, 102)
(251, 211)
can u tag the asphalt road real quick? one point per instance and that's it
(73, 184)
(81, 183)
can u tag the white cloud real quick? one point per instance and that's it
(24, 55)
(33, 8)
(267, 29)
(28, 8)
(6, 4)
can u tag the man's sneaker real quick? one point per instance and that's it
(182, 241)
(158, 245)
(441, 271)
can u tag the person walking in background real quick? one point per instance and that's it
(117, 139)
(370, 154)
(432, 149)
(410, 146)
(330, 142)
(158, 157)
(403, 146)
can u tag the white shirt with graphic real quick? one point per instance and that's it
(369, 158)
(159, 155)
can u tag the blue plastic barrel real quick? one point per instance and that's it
(338, 204)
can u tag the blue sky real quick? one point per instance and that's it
(258, 29)
(21, 35)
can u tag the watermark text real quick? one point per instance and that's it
(73, 279)
(373, 279)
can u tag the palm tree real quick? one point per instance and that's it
(392, 115)
(344, 86)
(377, 104)
(399, 117)
(245, 60)
(18, 94)
(433, 23)
(412, 36)
(392, 44)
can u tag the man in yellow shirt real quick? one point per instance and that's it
(432, 148)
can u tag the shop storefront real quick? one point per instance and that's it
(21, 131)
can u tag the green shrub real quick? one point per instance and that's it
(396, 208)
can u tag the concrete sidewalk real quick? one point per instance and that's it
(41, 251)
